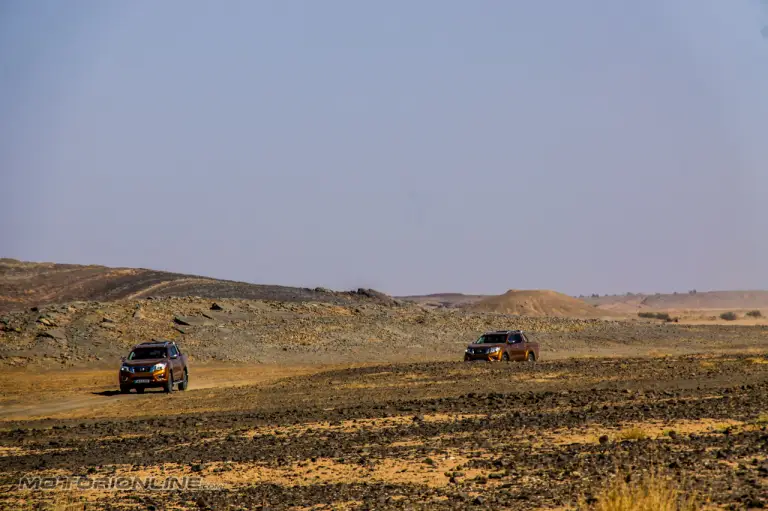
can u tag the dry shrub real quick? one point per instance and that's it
(634, 433)
(664, 316)
(729, 316)
(653, 492)
(60, 502)
(755, 314)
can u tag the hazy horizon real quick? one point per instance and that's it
(414, 148)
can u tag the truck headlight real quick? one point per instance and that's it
(158, 367)
(494, 350)
(125, 369)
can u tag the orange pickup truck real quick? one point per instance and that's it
(503, 345)
(154, 364)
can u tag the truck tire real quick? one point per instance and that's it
(505, 357)
(168, 387)
(531, 357)
(184, 381)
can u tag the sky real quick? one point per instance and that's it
(408, 146)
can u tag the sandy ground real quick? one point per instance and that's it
(93, 393)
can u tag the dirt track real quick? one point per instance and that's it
(445, 435)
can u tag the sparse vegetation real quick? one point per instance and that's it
(664, 316)
(729, 316)
(755, 314)
(653, 492)
(633, 433)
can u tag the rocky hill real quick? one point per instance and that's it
(28, 284)
(254, 331)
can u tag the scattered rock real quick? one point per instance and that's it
(45, 320)
(57, 334)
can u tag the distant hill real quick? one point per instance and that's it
(28, 284)
(538, 303)
(708, 300)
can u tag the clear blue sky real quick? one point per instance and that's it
(411, 146)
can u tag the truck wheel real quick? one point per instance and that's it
(168, 387)
(124, 389)
(184, 381)
(505, 357)
(139, 390)
(531, 357)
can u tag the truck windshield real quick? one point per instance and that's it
(492, 339)
(147, 353)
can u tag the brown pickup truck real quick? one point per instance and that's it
(503, 345)
(154, 364)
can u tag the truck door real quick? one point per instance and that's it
(516, 347)
(175, 363)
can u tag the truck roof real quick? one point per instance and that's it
(154, 344)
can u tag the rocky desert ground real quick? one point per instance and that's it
(315, 399)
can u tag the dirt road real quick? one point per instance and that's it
(71, 393)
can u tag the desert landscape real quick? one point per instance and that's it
(309, 399)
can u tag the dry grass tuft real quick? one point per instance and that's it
(633, 433)
(758, 360)
(654, 492)
(63, 502)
